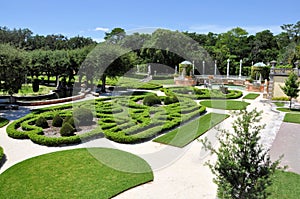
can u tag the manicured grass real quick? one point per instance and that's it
(285, 186)
(279, 104)
(292, 118)
(251, 96)
(225, 104)
(182, 136)
(3, 122)
(289, 110)
(78, 173)
(26, 90)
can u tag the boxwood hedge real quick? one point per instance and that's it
(122, 119)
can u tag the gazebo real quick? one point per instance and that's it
(186, 74)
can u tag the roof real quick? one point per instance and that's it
(186, 63)
(260, 64)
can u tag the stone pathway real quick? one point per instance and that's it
(287, 144)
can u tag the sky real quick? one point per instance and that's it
(92, 18)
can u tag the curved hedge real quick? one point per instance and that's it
(3, 122)
(122, 119)
(195, 93)
(1, 155)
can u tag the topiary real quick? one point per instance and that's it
(151, 100)
(71, 120)
(83, 115)
(67, 130)
(57, 121)
(41, 122)
(170, 100)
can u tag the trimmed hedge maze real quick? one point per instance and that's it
(199, 94)
(123, 119)
(128, 121)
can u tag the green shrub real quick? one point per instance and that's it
(1, 154)
(67, 130)
(57, 121)
(283, 98)
(151, 100)
(41, 122)
(3, 122)
(71, 120)
(83, 115)
(170, 100)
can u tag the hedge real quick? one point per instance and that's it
(121, 119)
(1, 155)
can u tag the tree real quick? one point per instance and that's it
(291, 87)
(243, 168)
(12, 69)
(115, 36)
(107, 60)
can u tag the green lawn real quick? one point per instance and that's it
(75, 174)
(285, 186)
(251, 96)
(279, 104)
(225, 104)
(26, 90)
(292, 118)
(289, 110)
(182, 136)
(3, 122)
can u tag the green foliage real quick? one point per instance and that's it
(243, 168)
(3, 122)
(291, 87)
(41, 122)
(281, 98)
(151, 100)
(83, 115)
(256, 71)
(67, 130)
(170, 100)
(251, 96)
(1, 155)
(279, 104)
(57, 121)
(72, 121)
(56, 175)
(36, 85)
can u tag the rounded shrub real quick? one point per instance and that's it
(170, 100)
(67, 130)
(41, 122)
(57, 121)
(151, 100)
(71, 120)
(83, 115)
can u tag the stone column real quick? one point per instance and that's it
(215, 73)
(240, 72)
(228, 60)
(203, 69)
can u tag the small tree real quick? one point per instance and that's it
(291, 87)
(243, 168)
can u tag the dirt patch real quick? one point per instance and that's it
(54, 131)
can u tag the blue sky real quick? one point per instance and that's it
(91, 18)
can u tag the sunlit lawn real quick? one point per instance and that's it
(78, 173)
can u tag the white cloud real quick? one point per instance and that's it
(222, 29)
(101, 29)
